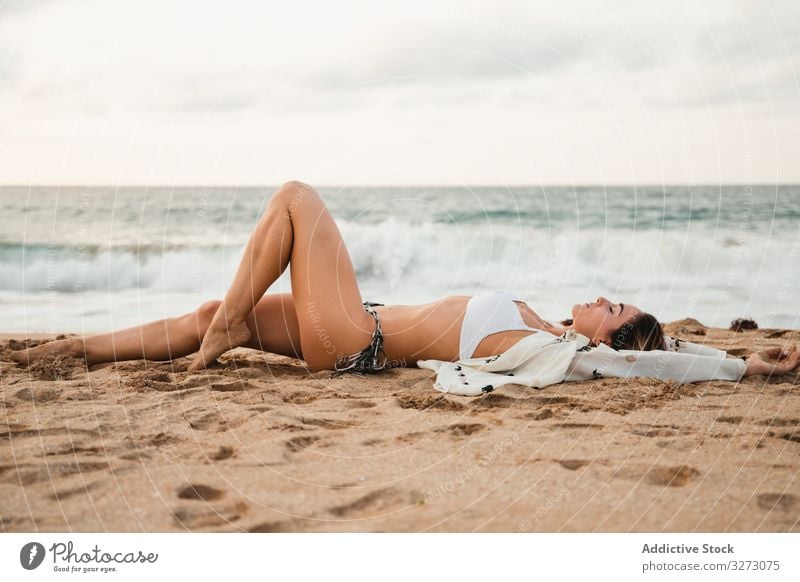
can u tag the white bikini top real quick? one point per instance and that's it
(488, 313)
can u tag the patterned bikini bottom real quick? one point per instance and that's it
(372, 358)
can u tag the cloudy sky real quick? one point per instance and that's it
(179, 92)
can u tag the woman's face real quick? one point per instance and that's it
(600, 319)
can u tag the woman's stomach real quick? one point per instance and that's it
(431, 331)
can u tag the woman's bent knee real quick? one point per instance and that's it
(295, 185)
(292, 194)
(205, 313)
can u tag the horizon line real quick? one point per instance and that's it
(420, 185)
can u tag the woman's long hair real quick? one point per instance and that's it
(642, 333)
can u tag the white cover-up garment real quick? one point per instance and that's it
(542, 359)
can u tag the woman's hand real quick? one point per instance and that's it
(786, 360)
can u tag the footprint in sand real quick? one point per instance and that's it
(152, 379)
(282, 526)
(410, 382)
(223, 453)
(730, 419)
(250, 374)
(202, 380)
(29, 474)
(300, 397)
(161, 381)
(287, 427)
(213, 420)
(554, 399)
(659, 430)
(204, 515)
(38, 395)
(409, 438)
(164, 438)
(67, 493)
(135, 456)
(784, 502)
(205, 421)
(792, 436)
(300, 443)
(780, 422)
(38, 433)
(672, 476)
(200, 492)
(495, 401)
(425, 401)
(360, 404)
(76, 449)
(543, 414)
(258, 409)
(377, 503)
(195, 517)
(576, 425)
(235, 386)
(329, 423)
(573, 464)
(463, 428)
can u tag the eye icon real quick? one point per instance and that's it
(31, 555)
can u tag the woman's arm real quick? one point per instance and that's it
(685, 368)
(685, 347)
(774, 361)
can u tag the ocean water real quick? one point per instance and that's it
(92, 259)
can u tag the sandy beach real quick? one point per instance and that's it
(259, 444)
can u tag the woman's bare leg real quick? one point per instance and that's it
(272, 323)
(165, 339)
(274, 326)
(296, 226)
(265, 258)
(328, 319)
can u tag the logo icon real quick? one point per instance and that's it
(31, 555)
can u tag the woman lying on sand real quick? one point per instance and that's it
(324, 321)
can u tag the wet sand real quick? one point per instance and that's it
(260, 444)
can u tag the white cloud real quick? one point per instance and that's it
(195, 92)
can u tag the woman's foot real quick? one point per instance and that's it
(71, 347)
(220, 337)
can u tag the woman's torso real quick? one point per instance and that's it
(432, 331)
